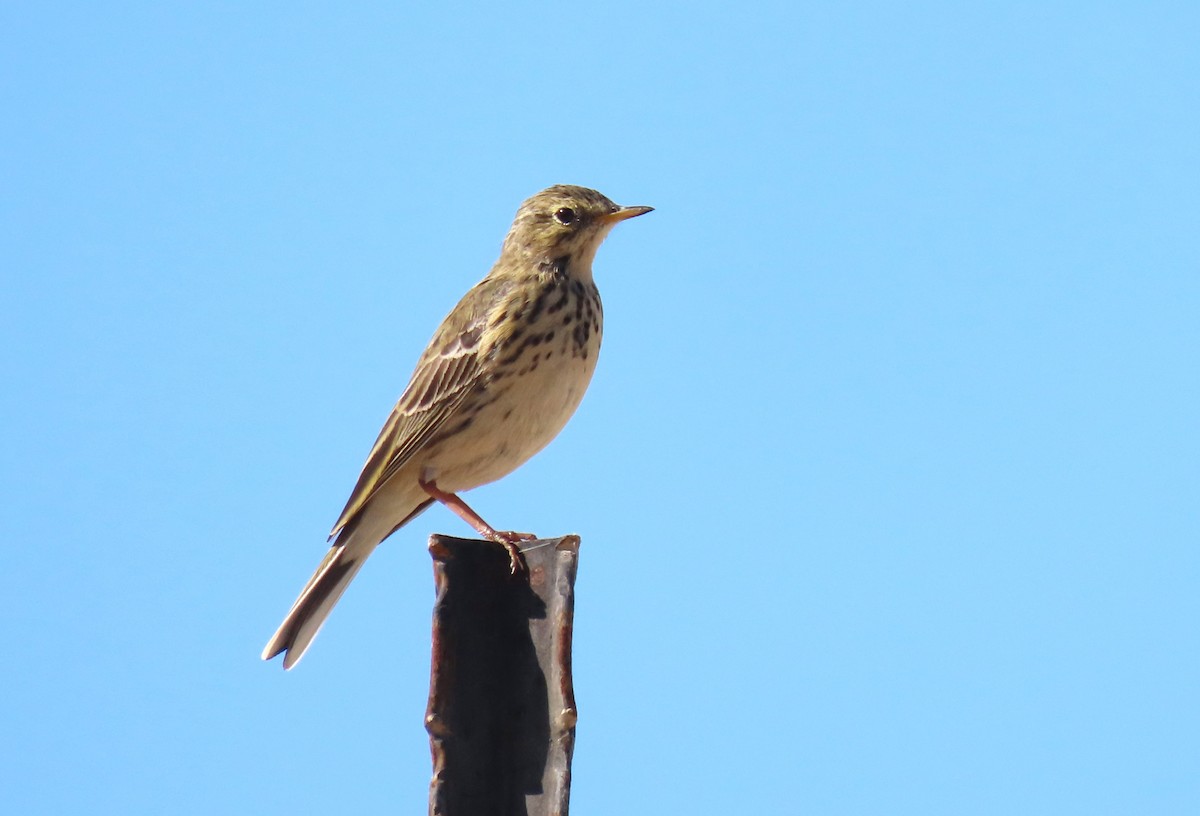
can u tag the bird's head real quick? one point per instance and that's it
(567, 222)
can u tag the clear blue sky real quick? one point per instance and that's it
(895, 512)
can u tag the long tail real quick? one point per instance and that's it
(308, 613)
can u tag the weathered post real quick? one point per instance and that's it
(501, 714)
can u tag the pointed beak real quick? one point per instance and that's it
(625, 213)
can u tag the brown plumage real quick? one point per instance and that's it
(502, 375)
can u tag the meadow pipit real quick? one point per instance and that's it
(499, 380)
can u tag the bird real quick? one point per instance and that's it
(501, 376)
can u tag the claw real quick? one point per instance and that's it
(509, 540)
(516, 561)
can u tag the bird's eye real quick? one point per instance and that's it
(565, 216)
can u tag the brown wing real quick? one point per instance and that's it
(445, 375)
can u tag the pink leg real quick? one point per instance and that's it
(507, 539)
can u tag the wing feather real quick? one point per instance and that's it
(444, 377)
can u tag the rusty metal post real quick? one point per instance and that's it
(501, 715)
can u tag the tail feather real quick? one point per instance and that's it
(308, 613)
(355, 543)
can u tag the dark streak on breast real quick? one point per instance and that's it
(539, 302)
(555, 267)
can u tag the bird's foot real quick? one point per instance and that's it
(510, 541)
(512, 537)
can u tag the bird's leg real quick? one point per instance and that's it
(507, 539)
